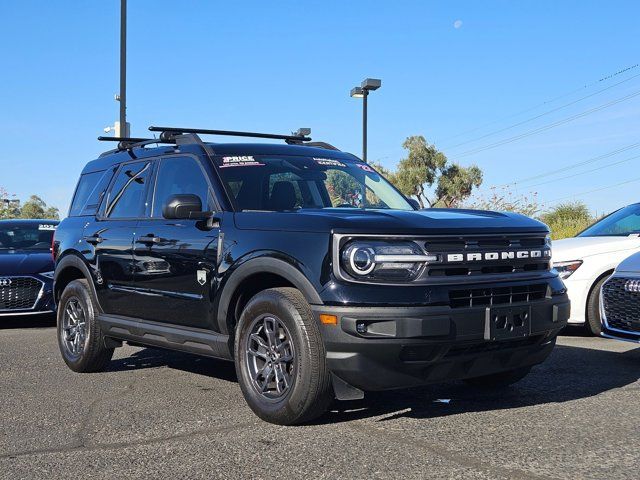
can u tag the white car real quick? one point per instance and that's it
(586, 261)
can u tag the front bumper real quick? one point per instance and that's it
(44, 303)
(410, 346)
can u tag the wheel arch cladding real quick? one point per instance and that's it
(254, 276)
(71, 267)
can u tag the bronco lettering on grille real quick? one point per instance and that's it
(492, 256)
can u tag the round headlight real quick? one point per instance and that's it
(362, 260)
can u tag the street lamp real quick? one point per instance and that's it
(367, 85)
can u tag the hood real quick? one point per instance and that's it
(24, 262)
(424, 222)
(630, 264)
(579, 247)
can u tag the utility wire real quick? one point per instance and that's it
(597, 189)
(582, 173)
(575, 165)
(548, 127)
(564, 95)
(490, 134)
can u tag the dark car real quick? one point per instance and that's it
(26, 267)
(304, 266)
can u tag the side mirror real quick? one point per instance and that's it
(414, 203)
(183, 207)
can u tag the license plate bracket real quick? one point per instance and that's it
(503, 323)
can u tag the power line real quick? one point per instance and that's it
(547, 127)
(490, 134)
(578, 164)
(586, 171)
(597, 189)
(564, 95)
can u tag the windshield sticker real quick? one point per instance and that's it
(240, 161)
(45, 226)
(328, 162)
(365, 167)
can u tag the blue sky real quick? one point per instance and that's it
(278, 65)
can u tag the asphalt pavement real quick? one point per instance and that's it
(163, 414)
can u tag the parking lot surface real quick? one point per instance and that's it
(163, 414)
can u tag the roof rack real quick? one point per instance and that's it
(125, 143)
(167, 133)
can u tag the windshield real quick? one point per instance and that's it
(26, 236)
(620, 223)
(290, 183)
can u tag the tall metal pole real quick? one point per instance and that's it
(365, 94)
(123, 69)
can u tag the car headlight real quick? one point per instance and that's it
(381, 260)
(566, 269)
(47, 274)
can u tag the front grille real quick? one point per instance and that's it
(499, 244)
(487, 297)
(621, 307)
(21, 293)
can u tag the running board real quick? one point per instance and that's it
(172, 337)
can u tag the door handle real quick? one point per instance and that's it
(149, 240)
(94, 239)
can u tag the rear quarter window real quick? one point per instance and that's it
(89, 192)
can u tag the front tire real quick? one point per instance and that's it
(593, 321)
(499, 380)
(80, 338)
(280, 358)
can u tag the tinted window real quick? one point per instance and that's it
(127, 198)
(89, 193)
(179, 175)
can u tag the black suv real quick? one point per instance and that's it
(304, 266)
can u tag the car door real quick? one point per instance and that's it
(175, 261)
(111, 236)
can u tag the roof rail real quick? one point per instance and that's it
(168, 133)
(125, 143)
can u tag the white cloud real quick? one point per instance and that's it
(457, 24)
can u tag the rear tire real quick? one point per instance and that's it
(499, 380)
(80, 338)
(593, 321)
(280, 358)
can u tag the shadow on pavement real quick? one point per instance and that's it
(570, 373)
(28, 321)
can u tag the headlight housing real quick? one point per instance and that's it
(383, 260)
(47, 274)
(566, 269)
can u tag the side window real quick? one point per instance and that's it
(180, 175)
(86, 187)
(127, 198)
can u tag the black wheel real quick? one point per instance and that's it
(280, 358)
(499, 380)
(593, 321)
(79, 336)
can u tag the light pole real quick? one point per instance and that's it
(122, 98)
(367, 85)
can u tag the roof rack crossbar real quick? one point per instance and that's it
(231, 133)
(125, 143)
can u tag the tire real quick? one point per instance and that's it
(499, 380)
(90, 353)
(593, 321)
(279, 390)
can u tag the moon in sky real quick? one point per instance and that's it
(457, 24)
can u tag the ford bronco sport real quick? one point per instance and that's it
(302, 265)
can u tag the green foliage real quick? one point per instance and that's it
(425, 166)
(567, 219)
(503, 199)
(35, 207)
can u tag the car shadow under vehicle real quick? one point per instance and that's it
(28, 321)
(561, 378)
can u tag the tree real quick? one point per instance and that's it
(35, 207)
(567, 219)
(425, 166)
